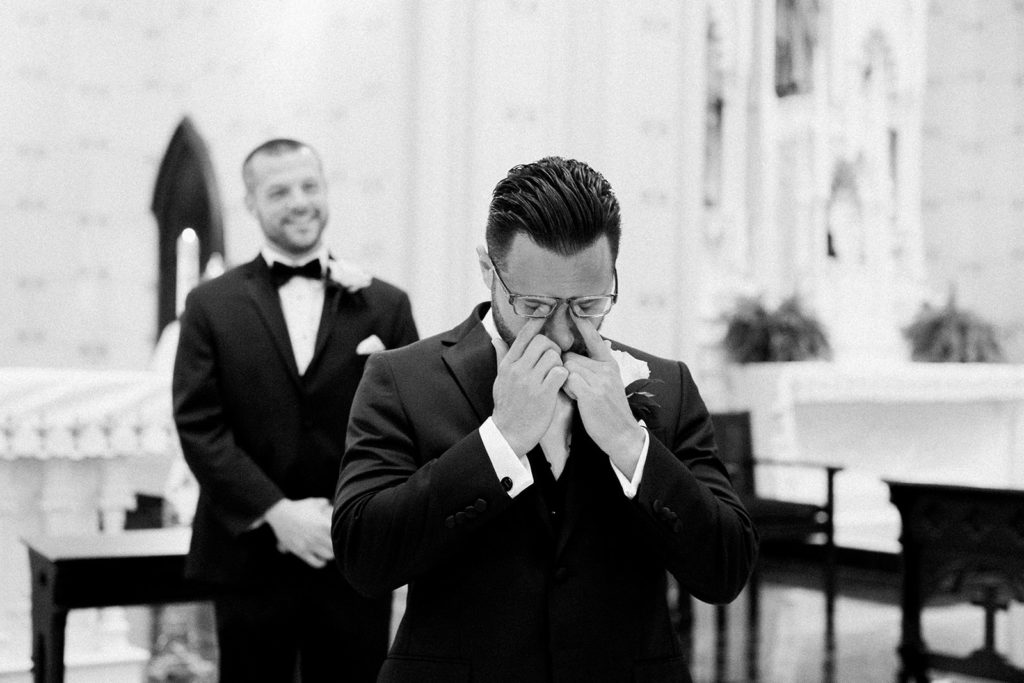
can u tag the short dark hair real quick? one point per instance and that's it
(563, 205)
(275, 147)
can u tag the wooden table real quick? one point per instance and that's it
(101, 570)
(962, 542)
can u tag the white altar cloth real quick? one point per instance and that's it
(939, 422)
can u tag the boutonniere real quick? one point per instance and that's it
(347, 274)
(636, 378)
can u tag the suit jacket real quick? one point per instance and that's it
(252, 429)
(497, 592)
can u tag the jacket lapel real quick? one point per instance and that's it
(471, 360)
(333, 294)
(261, 290)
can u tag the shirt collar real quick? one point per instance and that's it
(488, 322)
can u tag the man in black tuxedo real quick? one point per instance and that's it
(268, 360)
(501, 471)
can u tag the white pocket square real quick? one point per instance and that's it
(371, 344)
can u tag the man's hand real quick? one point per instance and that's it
(530, 374)
(596, 384)
(303, 528)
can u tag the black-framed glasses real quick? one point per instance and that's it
(537, 306)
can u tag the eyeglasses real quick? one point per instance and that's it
(535, 306)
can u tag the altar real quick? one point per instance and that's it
(935, 423)
(932, 422)
(75, 447)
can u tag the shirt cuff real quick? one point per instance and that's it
(513, 474)
(629, 487)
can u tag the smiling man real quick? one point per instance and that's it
(269, 357)
(501, 471)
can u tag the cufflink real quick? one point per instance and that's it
(506, 484)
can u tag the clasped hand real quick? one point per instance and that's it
(533, 371)
(303, 528)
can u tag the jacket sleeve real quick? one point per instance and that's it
(686, 504)
(395, 507)
(236, 487)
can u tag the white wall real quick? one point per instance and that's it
(420, 107)
(93, 91)
(973, 159)
(417, 107)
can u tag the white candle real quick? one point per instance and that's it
(188, 267)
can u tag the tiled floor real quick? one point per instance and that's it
(867, 631)
(792, 629)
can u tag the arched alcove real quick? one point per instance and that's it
(796, 39)
(185, 196)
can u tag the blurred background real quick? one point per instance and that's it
(856, 165)
(865, 155)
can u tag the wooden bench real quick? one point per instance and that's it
(966, 543)
(101, 570)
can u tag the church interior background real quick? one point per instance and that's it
(863, 155)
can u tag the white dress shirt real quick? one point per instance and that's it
(554, 444)
(302, 302)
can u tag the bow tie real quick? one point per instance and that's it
(281, 273)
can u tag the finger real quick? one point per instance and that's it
(580, 365)
(323, 554)
(592, 338)
(563, 402)
(526, 334)
(574, 360)
(313, 561)
(548, 360)
(574, 385)
(323, 546)
(540, 346)
(555, 378)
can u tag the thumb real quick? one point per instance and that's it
(501, 347)
(556, 378)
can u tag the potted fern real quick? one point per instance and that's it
(757, 334)
(764, 344)
(951, 334)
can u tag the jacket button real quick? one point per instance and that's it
(449, 522)
(471, 513)
(460, 517)
(506, 484)
(481, 505)
(656, 505)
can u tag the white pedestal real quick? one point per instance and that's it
(75, 447)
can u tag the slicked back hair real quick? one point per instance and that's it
(275, 147)
(563, 205)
